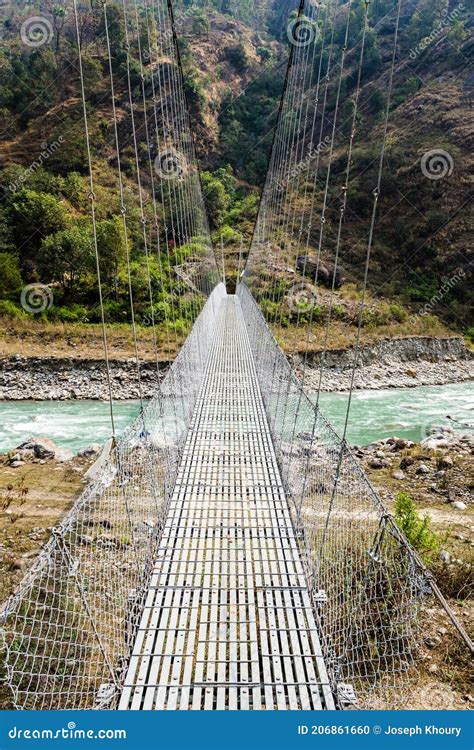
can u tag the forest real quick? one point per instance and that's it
(234, 58)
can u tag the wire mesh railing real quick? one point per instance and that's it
(69, 629)
(369, 587)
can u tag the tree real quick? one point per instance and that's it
(34, 216)
(10, 277)
(216, 197)
(58, 12)
(111, 248)
(237, 57)
(66, 257)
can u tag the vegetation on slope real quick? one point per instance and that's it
(234, 57)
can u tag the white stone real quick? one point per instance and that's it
(459, 505)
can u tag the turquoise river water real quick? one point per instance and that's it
(406, 412)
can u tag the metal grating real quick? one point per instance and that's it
(228, 622)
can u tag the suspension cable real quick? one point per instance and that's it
(94, 221)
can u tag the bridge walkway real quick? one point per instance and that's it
(228, 622)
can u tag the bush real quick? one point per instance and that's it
(264, 53)
(237, 57)
(373, 318)
(10, 310)
(10, 277)
(416, 529)
(114, 313)
(398, 313)
(72, 314)
(225, 234)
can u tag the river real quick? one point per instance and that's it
(405, 412)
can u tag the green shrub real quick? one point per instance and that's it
(10, 277)
(225, 234)
(398, 313)
(10, 310)
(374, 318)
(114, 313)
(416, 529)
(72, 314)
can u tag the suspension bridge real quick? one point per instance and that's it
(229, 553)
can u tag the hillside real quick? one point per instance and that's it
(234, 64)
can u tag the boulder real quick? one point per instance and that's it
(401, 444)
(459, 505)
(307, 265)
(42, 447)
(446, 462)
(422, 469)
(90, 450)
(398, 475)
(435, 443)
(376, 463)
(63, 454)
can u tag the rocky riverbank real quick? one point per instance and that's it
(397, 363)
(54, 378)
(39, 482)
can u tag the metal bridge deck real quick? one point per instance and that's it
(228, 622)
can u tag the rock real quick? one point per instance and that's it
(443, 631)
(376, 463)
(86, 539)
(380, 454)
(411, 373)
(90, 450)
(400, 444)
(23, 455)
(398, 475)
(42, 447)
(63, 454)
(308, 266)
(406, 462)
(431, 642)
(459, 505)
(444, 556)
(446, 462)
(433, 444)
(16, 464)
(422, 469)
(15, 563)
(433, 668)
